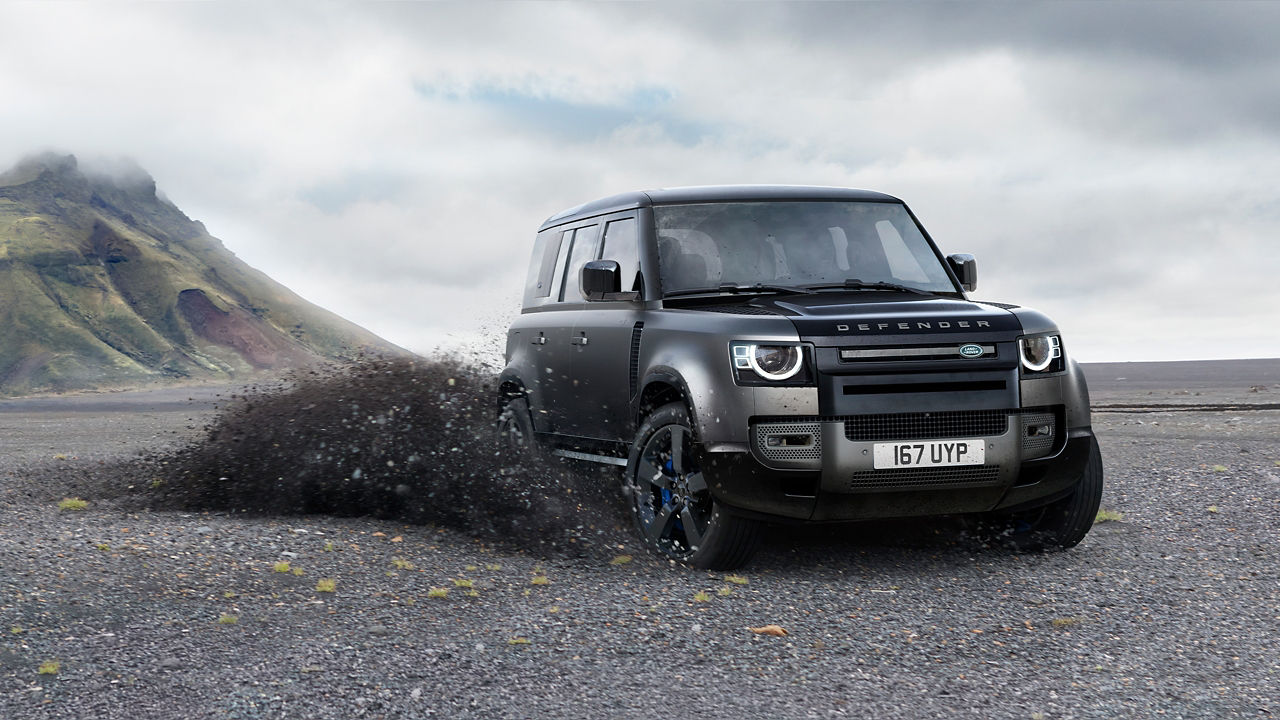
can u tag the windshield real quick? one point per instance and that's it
(793, 243)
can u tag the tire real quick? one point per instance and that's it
(515, 429)
(670, 501)
(1059, 525)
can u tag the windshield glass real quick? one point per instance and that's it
(793, 243)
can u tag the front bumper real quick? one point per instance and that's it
(822, 469)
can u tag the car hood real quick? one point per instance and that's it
(879, 314)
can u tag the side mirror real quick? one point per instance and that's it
(965, 266)
(600, 278)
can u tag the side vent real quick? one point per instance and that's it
(634, 370)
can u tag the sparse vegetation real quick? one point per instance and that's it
(702, 596)
(463, 583)
(1105, 515)
(401, 564)
(620, 560)
(725, 591)
(326, 585)
(519, 641)
(104, 547)
(281, 567)
(226, 619)
(74, 504)
(438, 592)
(49, 667)
(1066, 621)
(735, 579)
(540, 580)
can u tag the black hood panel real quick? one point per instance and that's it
(850, 316)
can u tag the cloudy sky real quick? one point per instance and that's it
(1116, 166)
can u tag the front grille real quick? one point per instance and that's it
(928, 425)
(924, 478)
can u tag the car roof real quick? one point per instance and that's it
(710, 194)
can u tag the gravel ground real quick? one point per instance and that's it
(1173, 609)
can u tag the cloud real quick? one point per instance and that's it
(1109, 164)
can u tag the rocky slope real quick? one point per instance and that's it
(104, 283)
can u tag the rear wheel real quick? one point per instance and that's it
(672, 505)
(1059, 525)
(515, 428)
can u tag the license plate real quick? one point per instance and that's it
(932, 453)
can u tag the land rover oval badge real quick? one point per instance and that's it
(971, 351)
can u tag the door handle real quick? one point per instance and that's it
(540, 340)
(582, 340)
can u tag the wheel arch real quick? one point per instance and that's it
(661, 387)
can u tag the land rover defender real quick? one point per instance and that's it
(753, 354)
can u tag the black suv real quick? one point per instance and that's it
(764, 353)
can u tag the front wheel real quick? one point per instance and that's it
(1059, 525)
(671, 503)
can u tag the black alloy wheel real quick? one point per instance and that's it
(671, 503)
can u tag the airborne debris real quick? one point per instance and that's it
(432, 458)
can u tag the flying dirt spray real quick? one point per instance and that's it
(409, 440)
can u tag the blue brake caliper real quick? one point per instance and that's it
(666, 494)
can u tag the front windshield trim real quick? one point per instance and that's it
(800, 245)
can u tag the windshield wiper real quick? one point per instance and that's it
(856, 284)
(732, 289)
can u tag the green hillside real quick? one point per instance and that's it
(105, 284)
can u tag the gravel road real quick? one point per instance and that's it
(1173, 609)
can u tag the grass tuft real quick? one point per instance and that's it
(620, 560)
(519, 641)
(73, 504)
(1066, 621)
(438, 592)
(735, 579)
(225, 619)
(540, 580)
(281, 567)
(326, 585)
(49, 667)
(1105, 515)
(702, 596)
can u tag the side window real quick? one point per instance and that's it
(548, 244)
(584, 249)
(562, 256)
(620, 245)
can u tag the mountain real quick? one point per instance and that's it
(104, 283)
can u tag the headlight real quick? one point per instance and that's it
(1041, 353)
(773, 363)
